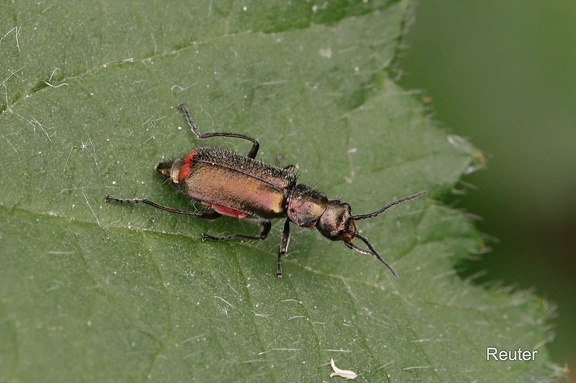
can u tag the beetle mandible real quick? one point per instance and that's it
(240, 186)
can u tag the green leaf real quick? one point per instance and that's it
(102, 292)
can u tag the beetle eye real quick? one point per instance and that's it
(335, 235)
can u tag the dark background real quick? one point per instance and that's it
(503, 75)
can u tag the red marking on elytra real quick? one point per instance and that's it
(186, 168)
(224, 210)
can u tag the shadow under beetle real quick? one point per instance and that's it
(241, 186)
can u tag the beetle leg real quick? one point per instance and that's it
(283, 247)
(194, 128)
(199, 214)
(266, 226)
(291, 169)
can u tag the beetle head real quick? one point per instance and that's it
(338, 224)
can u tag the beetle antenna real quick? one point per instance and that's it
(371, 251)
(386, 207)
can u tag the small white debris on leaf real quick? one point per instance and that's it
(346, 374)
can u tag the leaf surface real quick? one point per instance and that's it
(98, 292)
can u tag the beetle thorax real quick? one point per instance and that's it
(305, 205)
(308, 207)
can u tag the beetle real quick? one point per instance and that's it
(234, 185)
